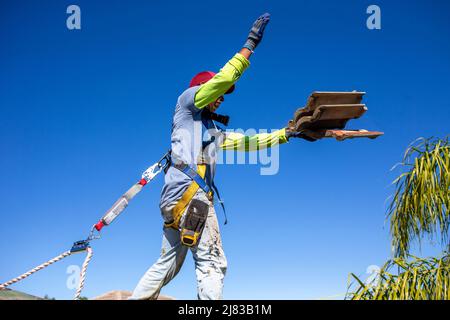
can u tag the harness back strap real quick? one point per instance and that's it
(187, 196)
(220, 201)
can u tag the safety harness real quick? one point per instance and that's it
(198, 182)
(197, 177)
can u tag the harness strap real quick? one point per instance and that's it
(222, 204)
(186, 198)
(194, 175)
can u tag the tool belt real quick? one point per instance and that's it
(194, 222)
(197, 182)
(196, 210)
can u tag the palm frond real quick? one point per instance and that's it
(421, 201)
(416, 279)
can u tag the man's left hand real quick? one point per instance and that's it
(307, 135)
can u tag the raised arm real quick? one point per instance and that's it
(232, 71)
(222, 81)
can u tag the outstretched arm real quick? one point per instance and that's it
(239, 142)
(232, 71)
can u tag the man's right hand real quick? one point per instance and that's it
(256, 33)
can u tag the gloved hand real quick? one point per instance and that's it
(304, 134)
(257, 31)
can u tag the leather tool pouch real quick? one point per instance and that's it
(194, 222)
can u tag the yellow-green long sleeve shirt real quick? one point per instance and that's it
(222, 81)
(216, 87)
(239, 142)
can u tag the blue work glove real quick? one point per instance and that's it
(257, 31)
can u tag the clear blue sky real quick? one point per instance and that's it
(83, 113)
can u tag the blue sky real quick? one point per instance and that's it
(85, 112)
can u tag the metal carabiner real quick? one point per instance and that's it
(92, 235)
(164, 162)
(151, 172)
(156, 168)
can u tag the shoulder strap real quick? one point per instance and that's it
(191, 173)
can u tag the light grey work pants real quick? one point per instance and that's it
(209, 258)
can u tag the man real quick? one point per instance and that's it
(186, 200)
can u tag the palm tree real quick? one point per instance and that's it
(419, 207)
(399, 279)
(422, 199)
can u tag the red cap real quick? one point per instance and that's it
(205, 76)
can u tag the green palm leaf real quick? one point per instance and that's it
(400, 279)
(422, 196)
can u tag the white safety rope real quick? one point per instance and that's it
(56, 259)
(29, 273)
(83, 272)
